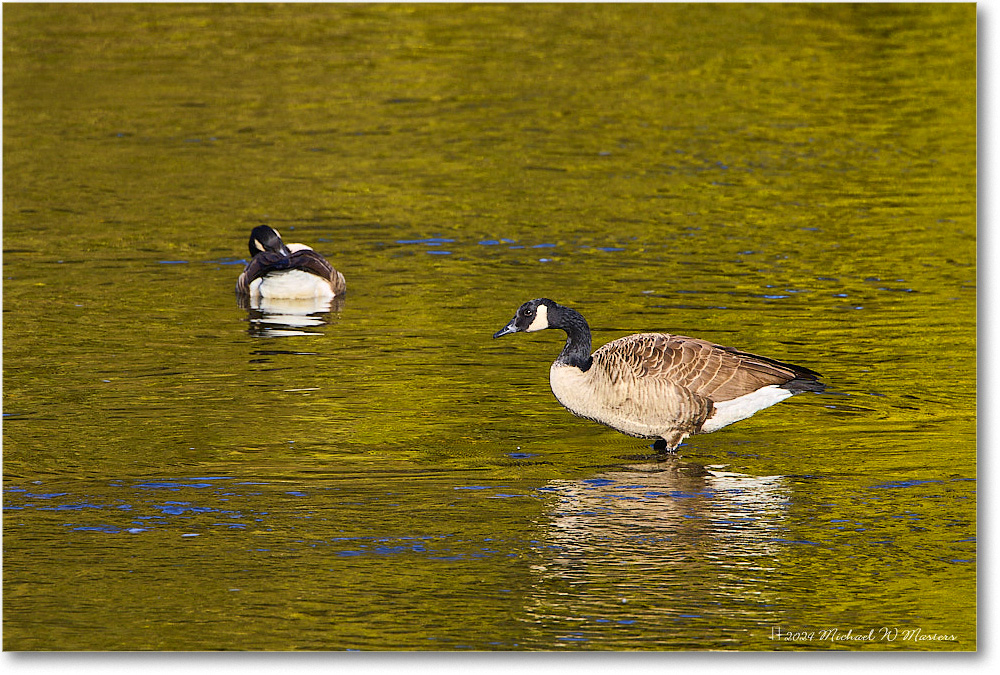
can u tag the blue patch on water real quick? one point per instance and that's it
(171, 510)
(430, 241)
(174, 262)
(598, 481)
(228, 261)
(610, 249)
(69, 507)
(170, 485)
(903, 483)
(388, 550)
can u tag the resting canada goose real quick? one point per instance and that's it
(290, 272)
(655, 385)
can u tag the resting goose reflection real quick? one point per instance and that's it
(656, 385)
(279, 271)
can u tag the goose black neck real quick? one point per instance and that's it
(576, 351)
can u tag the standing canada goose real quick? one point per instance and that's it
(655, 385)
(294, 271)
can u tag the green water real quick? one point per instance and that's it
(179, 473)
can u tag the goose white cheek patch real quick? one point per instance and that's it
(541, 321)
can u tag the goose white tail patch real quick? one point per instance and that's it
(541, 321)
(291, 284)
(742, 407)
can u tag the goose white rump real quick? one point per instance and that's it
(291, 285)
(742, 407)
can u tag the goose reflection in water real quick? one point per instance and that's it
(673, 501)
(284, 317)
(640, 534)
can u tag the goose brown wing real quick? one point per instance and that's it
(259, 266)
(705, 369)
(310, 261)
(263, 263)
(306, 260)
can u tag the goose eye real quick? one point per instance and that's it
(529, 312)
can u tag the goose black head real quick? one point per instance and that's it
(531, 316)
(266, 238)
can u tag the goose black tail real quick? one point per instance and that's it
(807, 383)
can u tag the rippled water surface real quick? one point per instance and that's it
(183, 473)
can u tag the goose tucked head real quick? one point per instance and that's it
(531, 316)
(266, 238)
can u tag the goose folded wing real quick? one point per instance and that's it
(312, 262)
(638, 383)
(261, 265)
(707, 369)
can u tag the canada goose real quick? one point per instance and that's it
(293, 271)
(655, 385)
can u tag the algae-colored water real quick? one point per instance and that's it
(797, 181)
